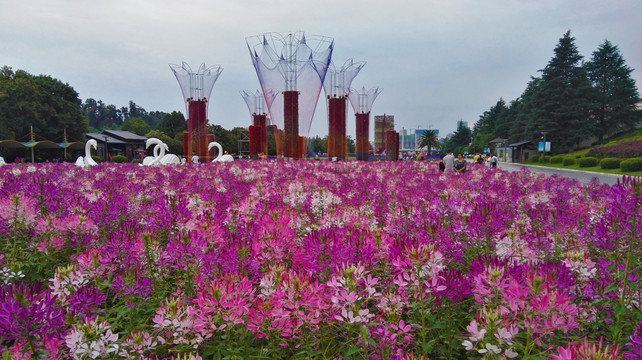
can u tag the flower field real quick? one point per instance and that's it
(316, 260)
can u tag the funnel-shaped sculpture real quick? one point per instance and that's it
(197, 87)
(294, 67)
(256, 105)
(362, 104)
(337, 89)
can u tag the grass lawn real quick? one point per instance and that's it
(592, 168)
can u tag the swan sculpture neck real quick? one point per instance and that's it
(218, 147)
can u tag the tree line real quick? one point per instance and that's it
(51, 108)
(570, 103)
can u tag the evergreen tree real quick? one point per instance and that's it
(136, 125)
(41, 102)
(565, 98)
(173, 124)
(460, 140)
(485, 128)
(617, 94)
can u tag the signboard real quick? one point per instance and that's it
(486, 150)
(542, 146)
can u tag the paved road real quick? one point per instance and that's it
(583, 176)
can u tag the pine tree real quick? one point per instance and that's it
(617, 94)
(523, 125)
(485, 128)
(565, 99)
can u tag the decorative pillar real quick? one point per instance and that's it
(291, 123)
(362, 145)
(197, 88)
(255, 141)
(256, 104)
(337, 90)
(294, 67)
(362, 104)
(392, 145)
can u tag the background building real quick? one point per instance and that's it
(382, 123)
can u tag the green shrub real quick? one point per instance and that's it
(630, 165)
(568, 161)
(557, 159)
(119, 158)
(588, 162)
(610, 163)
(97, 158)
(534, 158)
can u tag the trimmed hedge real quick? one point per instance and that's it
(630, 165)
(568, 161)
(557, 159)
(119, 159)
(610, 163)
(588, 162)
(534, 158)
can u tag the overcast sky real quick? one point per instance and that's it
(438, 61)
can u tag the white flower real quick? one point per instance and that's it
(510, 353)
(468, 345)
(493, 348)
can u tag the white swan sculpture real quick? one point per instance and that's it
(169, 158)
(220, 157)
(149, 160)
(2, 161)
(84, 161)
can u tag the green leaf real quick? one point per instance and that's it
(612, 287)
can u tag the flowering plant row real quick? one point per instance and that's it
(309, 259)
(622, 150)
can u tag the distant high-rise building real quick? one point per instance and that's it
(407, 139)
(382, 123)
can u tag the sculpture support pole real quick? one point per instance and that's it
(197, 129)
(186, 146)
(392, 145)
(255, 141)
(363, 132)
(337, 140)
(291, 123)
(261, 120)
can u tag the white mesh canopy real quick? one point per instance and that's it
(362, 100)
(196, 85)
(292, 62)
(338, 80)
(256, 101)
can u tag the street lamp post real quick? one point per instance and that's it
(105, 147)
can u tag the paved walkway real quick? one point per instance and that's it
(583, 176)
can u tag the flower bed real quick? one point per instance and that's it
(625, 149)
(315, 259)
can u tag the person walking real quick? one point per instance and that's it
(449, 160)
(492, 160)
(194, 158)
